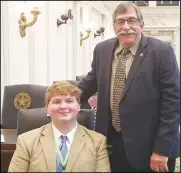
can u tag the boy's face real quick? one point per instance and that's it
(63, 108)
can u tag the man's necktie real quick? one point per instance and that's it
(63, 150)
(118, 87)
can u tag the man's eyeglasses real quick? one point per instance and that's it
(130, 21)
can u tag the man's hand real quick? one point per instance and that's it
(158, 163)
(93, 101)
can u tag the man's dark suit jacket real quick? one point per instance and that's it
(150, 107)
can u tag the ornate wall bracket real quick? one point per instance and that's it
(99, 31)
(88, 31)
(65, 17)
(23, 21)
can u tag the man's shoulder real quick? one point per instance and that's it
(156, 43)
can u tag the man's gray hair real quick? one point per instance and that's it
(124, 7)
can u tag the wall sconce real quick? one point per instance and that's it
(88, 31)
(99, 31)
(23, 21)
(65, 17)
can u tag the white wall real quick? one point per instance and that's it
(96, 16)
(47, 53)
(88, 45)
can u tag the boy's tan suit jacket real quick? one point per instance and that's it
(36, 152)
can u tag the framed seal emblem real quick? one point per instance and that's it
(22, 101)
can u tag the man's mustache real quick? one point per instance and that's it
(126, 32)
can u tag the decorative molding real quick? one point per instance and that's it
(156, 22)
(163, 28)
(160, 31)
(163, 33)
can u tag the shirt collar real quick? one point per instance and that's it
(133, 49)
(70, 134)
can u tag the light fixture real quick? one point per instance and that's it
(23, 21)
(65, 17)
(88, 31)
(99, 31)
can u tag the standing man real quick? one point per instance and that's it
(138, 84)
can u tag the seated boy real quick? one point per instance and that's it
(63, 144)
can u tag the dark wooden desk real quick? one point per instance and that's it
(8, 147)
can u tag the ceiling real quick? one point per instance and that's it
(111, 5)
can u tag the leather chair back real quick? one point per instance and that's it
(79, 78)
(30, 119)
(26, 96)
